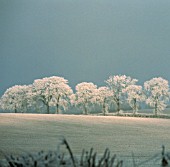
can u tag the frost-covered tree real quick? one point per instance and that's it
(40, 92)
(62, 93)
(135, 95)
(27, 98)
(157, 90)
(103, 98)
(33, 101)
(16, 98)
(85, 96)
(53, 91)
(117, 84)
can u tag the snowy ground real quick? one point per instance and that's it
(122, 135)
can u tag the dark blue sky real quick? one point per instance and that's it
(83, 40)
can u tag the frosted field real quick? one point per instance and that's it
(122, 135)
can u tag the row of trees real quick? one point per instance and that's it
(55, 91)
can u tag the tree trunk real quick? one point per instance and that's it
(104, 110)
(57, 111)
(156, 109)
(48, 108)
(15, 110)
(135, 107)
(58, 99)
(85, 110)
(118, 106)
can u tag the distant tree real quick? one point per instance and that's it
(103, 98)
(52, 91)
(85, 95)
(16, 98)
(40, 92)
(157, 90)
(62, 93)
(27, 99)
(135, 95)
(33, 101)
(117, 84)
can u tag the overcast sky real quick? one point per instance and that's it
(83, 40)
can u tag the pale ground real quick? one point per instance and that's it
(122, 135)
